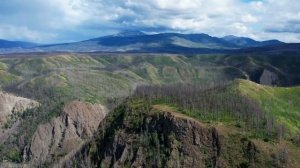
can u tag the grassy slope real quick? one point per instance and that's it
(283, 103)
(6, 77)
(104, 77)
(99, 78)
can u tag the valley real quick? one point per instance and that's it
(149, 84)
(118, 109)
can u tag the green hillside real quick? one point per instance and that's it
(282, 102)
(101, 77)
(159, 127)
(105, 78)
(240, 102)
(203, 89)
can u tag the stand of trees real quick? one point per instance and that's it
(221, 102)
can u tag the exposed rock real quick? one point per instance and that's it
(139, 137)
(84, 116)
(65, 133)
(190, 138)
(167, 140)
(10, 104)
(269, 78)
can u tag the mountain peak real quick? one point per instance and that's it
(232, 37)
(248, 42)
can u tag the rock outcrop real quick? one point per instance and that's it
(10, 104)
(180, 140)
(162, 139)
(10, 107)
(269, 78)
(55, 139)
(134, 135)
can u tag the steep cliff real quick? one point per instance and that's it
(137, 135)
(65, 133)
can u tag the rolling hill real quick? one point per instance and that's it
(207, 101)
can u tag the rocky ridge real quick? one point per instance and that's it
(166, 139)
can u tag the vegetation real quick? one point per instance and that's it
(50, 107)
(228, 103)
(98, 77)
(140, 127)
(197, 87)
(280, 102)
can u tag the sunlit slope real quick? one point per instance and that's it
(282, 102)
(98, 78)
(5, 76)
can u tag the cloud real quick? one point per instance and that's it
(71, 20)
(248, 18)
(286, 27)
(20, 33)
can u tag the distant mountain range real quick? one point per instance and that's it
(243, 42)
(136, 41)
(16, 44)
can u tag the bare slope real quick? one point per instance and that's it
(10, 104)
(65, 133)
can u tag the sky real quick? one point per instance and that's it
(56, 21)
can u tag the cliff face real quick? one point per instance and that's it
(167, 141)
(269, 78)
(10, 107)
(162, 138)
(55, 139)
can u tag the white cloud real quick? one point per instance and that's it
(186, 24)
(239, 28)
(257, 5)
(20, 33)
(176, 5)
(79, 19)
(248, 18)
